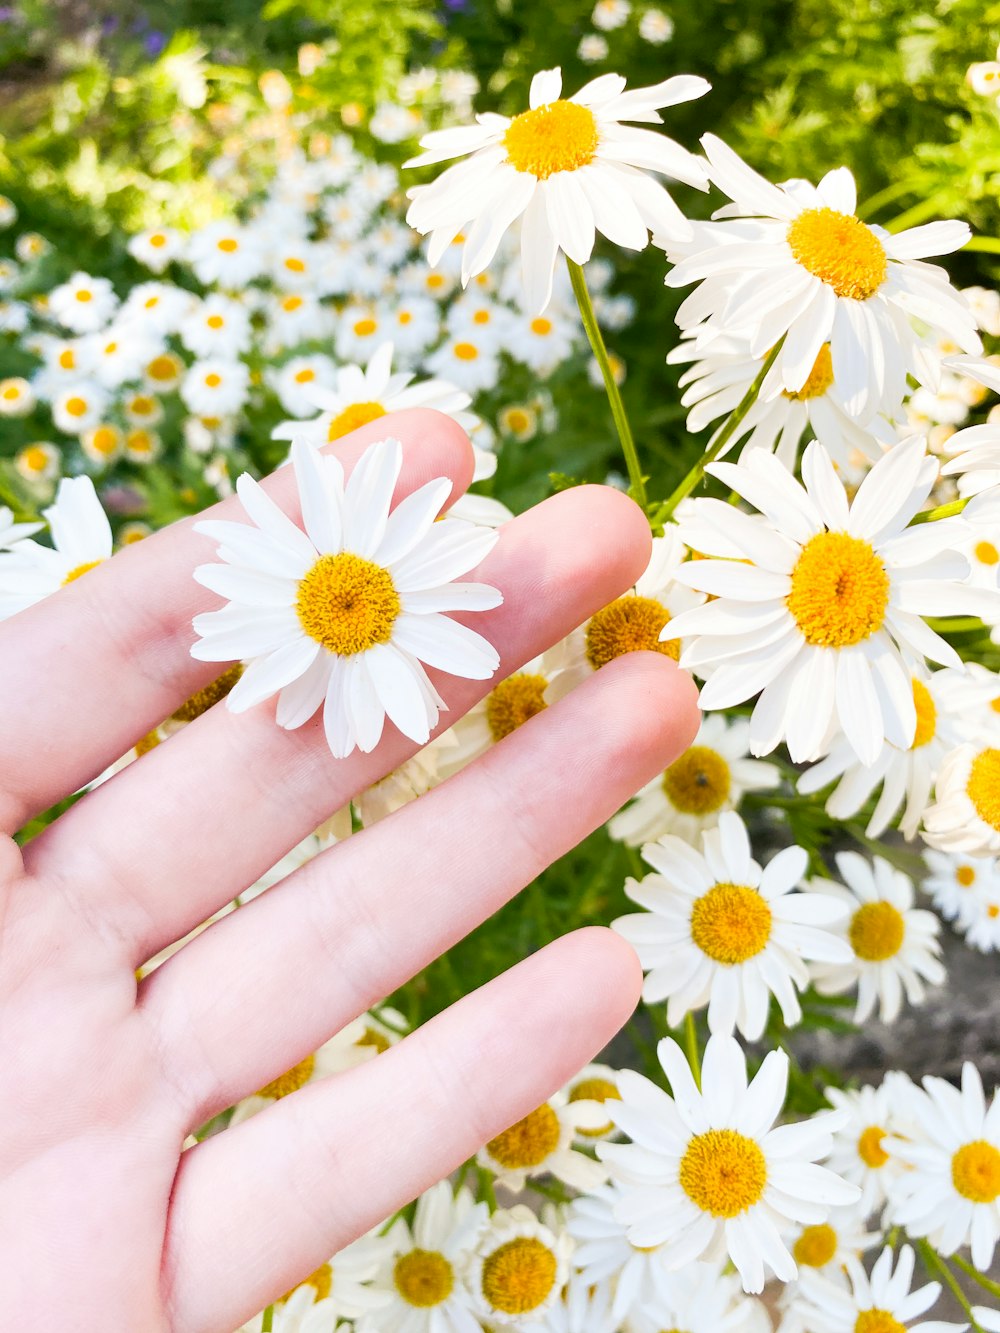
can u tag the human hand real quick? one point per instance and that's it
(105, 1223)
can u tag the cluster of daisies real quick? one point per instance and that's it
(835, 588)
(652, 24)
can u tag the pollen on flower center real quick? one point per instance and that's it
(730, 923)
(723, 1172)
(840, 590)
(876, 931)
(840, 250)
(820, 378)
(204, 699)
(878, 1321)
(698, 783)
(529, 1142)
(816, 1246)
(321, 1282)
(78, 571)
(628, 625)
(347, 603)
(513, 701)
(870, 1148)
(926, 715)
(983, 786)
(559, 136)
(519, 1276)
(358, 414)
(423, 1278)
(291, 1080)
(975, 1171)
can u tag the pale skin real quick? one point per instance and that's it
(105, 1224)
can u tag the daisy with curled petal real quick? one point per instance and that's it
(872, 1119)
(708, 1174)
(347, 613)
(568, 167)
(794, 262)
(423, 1273)
(10, 532)
(895, 947)
(604, 1253)
(711, 776)
(518, 1269)
(542, 1143)
(881, 1303)
(952, 1194)
(702, 1299)
(906, 776)
(719, 930)
(966, 814)
(81, 539)
(823, 615)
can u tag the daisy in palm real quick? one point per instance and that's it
(711, 776)
(81, 540)
(795, 262)
(823, 615)
(708, 1173)
(720, 931)
(880, 1303)
(346, 614)
(952, 1193)
(567, 167)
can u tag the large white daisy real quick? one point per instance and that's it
(719, 930)
(568, 167)
(518, 1269)
(81, 539)
(346, 613)
(872, 1119)
(823, 615)
(708, 1174)
(794, 262)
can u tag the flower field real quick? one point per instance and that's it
(739, 263)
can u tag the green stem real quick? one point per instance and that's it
(949, 510)
(579, 281)
(691, 1047)
(268, 1321)
(486, 1191)
(922, 212)
(724, 436)
(986, 1283)
(989, 245)
(954, 624)
(933, 1262)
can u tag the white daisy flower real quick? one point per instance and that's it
(227, 254)
(567, 167)
(217, 327)
(583, 1308)
(881, 1303)
(511, 703)
(981, 927)
(794, 262)
(594, 1083)
(469, 360)
(346, 613)
(543, 1144)
(906, 776)
(360, 331)
(216, 387)
(894, 946)
(8, 212)
(102, 444)
(518, 1269)
(157, 308)
(958, 885)
(413, 324)
(861, 1152)
(83, 304)
(708, 1174)
(824, 613)
(702, 1299)
(81, 539)
(343, 1288)
(603, 1253)
(656, 27)
(593, 48)
(79, 407)
(294, 318)
(295, 381)
(30, 245)
(143, 409)
(610, 14)
(164, 372)
(156, 248)
(952, 1194)
(39, 462)
(296, 265)
(423, 1275)
(519, 421)
(13, 316)
(11, 533)
(711, 776)
(117, 355)
(720, 931)
(824, 1247)
(17, 398)
(966, 814)
(541, 342)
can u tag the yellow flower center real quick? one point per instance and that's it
(293, 1079)
(434, 280)
(83, 296)
(295, 265)
(870, 1148)
(291, 303)
(305, 375)
(975, 1171)
(995, 704)
(104, 440)
(347, 603)
(148, 742)
(816, 1246)
(140, 442)
(215, 322)
(986, 553)
(321, 1282)
(839, 250)
(628, 625)
(481, 317)
(78, 571)
(212, 380)
(151, 302)
(983, 787)
(877, 1321)
(513, 701)
(840, 590)
(595, 1090)
(466, 351)
(926, 714)
(364, 328)
(541, 326)
(518, 420)
(142, 406)
(76, 407)
(162, 368)
(404, 317)
(372, 1037)
(228, 245)
(559, 136)
(34, 458)
(358, 414)
(158, 241)
(820, 378)
(519, 1276)
(730, 923)
(423, 1278)
(67, 359)
(11, 392)
(876, 931)
(529, 1142)
(723, 1172)
(966, 876)
(698, 783)
(204, 699)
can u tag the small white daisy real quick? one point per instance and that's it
(543, 1144)
(708, 1174)
(861, 1152)
(226, 254)
(518, 1269)
(468, 360)
(702, 1299)
(39, 462)
(584, 1307)
(157, 308)
(345, 613)
(79, 407)
(217, 327)
(81, 539)
(156, 248)
(604, 1253)
(656, 27)
(17, 398)
(215, 387)
(720, 931)
(958, 885)
(610, 14)
(297, 379)
(511, 703)
(881, 1303)
(824, 1247)
(966, 814)
(594, 1083)
(343, 1288)
(83, 304)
